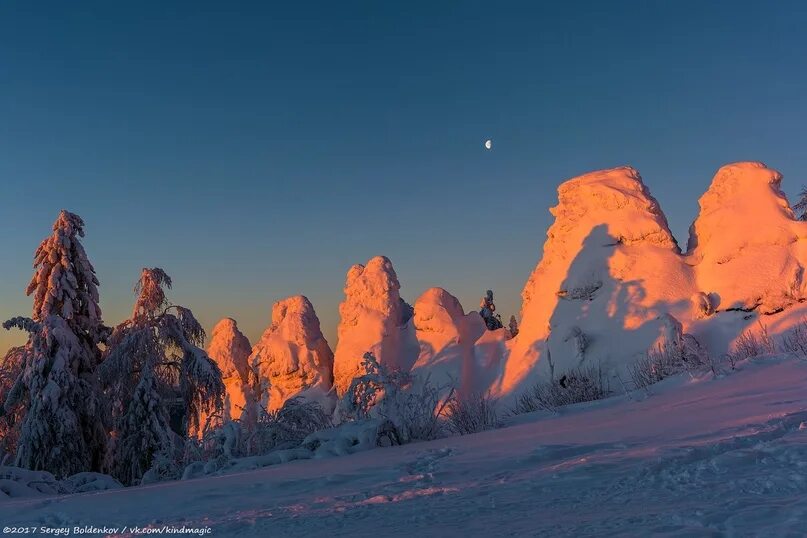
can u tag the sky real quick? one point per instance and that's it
(256, 150)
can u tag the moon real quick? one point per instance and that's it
(488, 143)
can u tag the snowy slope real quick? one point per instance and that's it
(698, 457)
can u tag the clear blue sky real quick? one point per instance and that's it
(257, 150)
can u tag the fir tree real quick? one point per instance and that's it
(800, 207)
(154, 359)
(63, 428)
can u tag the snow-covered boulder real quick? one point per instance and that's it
(292, 357)
(746, 244)
(231, 349)
(446, 337)
(610, 268)
(374, 319)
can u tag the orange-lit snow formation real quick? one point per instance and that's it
(611, 284)
(746, 243)
(292, 357)
(230, 349)
(446, 335)
(372, 320)
(610, 269)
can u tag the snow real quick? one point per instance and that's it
(610, 269)
(372, 319)
(748, 262)
(292, 357)
(230, 349)
(697, 456)
(446, 336)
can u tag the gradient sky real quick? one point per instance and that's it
(257, 150)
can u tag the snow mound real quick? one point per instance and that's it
(610, 270)
(231, 349)
(373, 318)
(16, 482)
(446, 337)
(293, 358)
(746, 243)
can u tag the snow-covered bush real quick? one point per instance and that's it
(16, 482)
(794, 341)
(63, 429)
(576, 386)
(352, 437)
(151, 360)
(286, 427)
(406, 401)
(655, 365)
(750, 344)
(471, 414)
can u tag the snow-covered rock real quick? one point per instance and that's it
(231, 349)
(748, 249)
(446, 337)
(610, 269)
(292, 357)
(373, 318)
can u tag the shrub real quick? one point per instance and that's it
(795, 340)
(406, 401)
(471, 414)
(749, 344)
(575, 386)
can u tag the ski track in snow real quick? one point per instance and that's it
(704, 457)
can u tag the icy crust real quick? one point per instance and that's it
(372, 319)
(610, 266)
(292, 357)
(746, 244)
(446, 337)
(231, 349)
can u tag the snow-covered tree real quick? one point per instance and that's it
(513, 326)
(11, 417)
(800, 207)
(63, 428)
(152, 361)
(391, 394)
(487, 310)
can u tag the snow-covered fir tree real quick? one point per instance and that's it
(154, 360)
(11, 416)
(800, 207)
(487, 310)
(513, 326)
(63, 428)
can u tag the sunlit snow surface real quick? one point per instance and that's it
(697, 457)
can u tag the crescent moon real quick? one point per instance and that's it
(488, 144)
